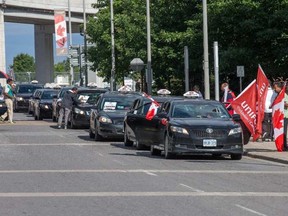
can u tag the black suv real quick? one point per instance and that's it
(23, 93)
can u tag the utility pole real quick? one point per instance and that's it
(70, 40)
(216, 69)
(112, 79)
(149, 63)
(205, 45)
(85, 43)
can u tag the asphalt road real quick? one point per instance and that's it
(45, 171)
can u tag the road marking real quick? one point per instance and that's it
(56, 144)
(147, 171)
(150, 173)
(191, 188)
(146, 194)
(100, 154)
(250, 210)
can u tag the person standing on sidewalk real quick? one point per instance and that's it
(67, 102)
(8, 97)
(285, 118)
(267, 121)
(228, 97)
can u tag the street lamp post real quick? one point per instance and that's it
(85, 43)
(70, 39)
(205, 44)
(149, 67)
(112, 79)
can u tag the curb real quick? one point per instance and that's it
(251, 155)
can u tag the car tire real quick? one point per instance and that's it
(154, 151)
(127, 142)
(236, 156)
(138, 145)
(98, 137)
(91, 134)
(167, 154)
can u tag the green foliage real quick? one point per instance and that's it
(63, 66)
(23, 63)
(249, 32)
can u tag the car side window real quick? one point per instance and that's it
(135, 105)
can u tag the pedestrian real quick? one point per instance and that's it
(228, 97)
(267, 125)
(285, 118)
(8, 97)
(69, 98)
(197, 90)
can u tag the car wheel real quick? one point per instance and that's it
(154, 151)
(236, 156)
(138, 145)
(98, 137)
(167, 154)
(127, 142)
(40, 117)
(91, 134)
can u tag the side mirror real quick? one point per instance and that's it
(236, 117)
(162, 115)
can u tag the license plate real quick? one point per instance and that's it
(209, 143)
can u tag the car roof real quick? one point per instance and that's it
(81, 90)
(121, 94)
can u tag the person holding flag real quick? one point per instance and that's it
(228, 97)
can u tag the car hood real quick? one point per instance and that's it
(46, 101)
(113, 114)
(24, 95)
(84, 106)
(204, 123)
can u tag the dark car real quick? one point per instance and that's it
(32, 101)
(23, 94)
(56, 103)
(43, 104)
(3, 107)
(86, 99)
(106, 120)
(193, 127)
(135, 121)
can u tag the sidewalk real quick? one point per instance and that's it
(265, 151)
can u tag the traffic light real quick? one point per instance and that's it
(74, 55)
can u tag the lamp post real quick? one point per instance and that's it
(205, 45)
(149, 67)
(70, 39)
(85, 43)
(112, 79)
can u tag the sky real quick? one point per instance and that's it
(19, 38)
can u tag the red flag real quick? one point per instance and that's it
(262, 88)
(153, 107)
(245, 106)
(278, 120)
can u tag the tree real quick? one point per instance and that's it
(23, 63)
(63, 66)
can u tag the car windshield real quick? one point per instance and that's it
(27, 89)
(198, 110)
(88, 97)
(120, 103)
(48, 94)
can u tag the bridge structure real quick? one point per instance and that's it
(40, 13)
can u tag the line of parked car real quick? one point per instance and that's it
(181, 126)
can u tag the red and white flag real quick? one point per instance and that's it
(60, 33)
(152, 109)
(278, 120)
(245, 106)
(262, 88)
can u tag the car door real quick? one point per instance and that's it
(131, 120)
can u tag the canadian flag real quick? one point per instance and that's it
(278, 120)
(60, 32)
(152, 109)
(262, 88)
